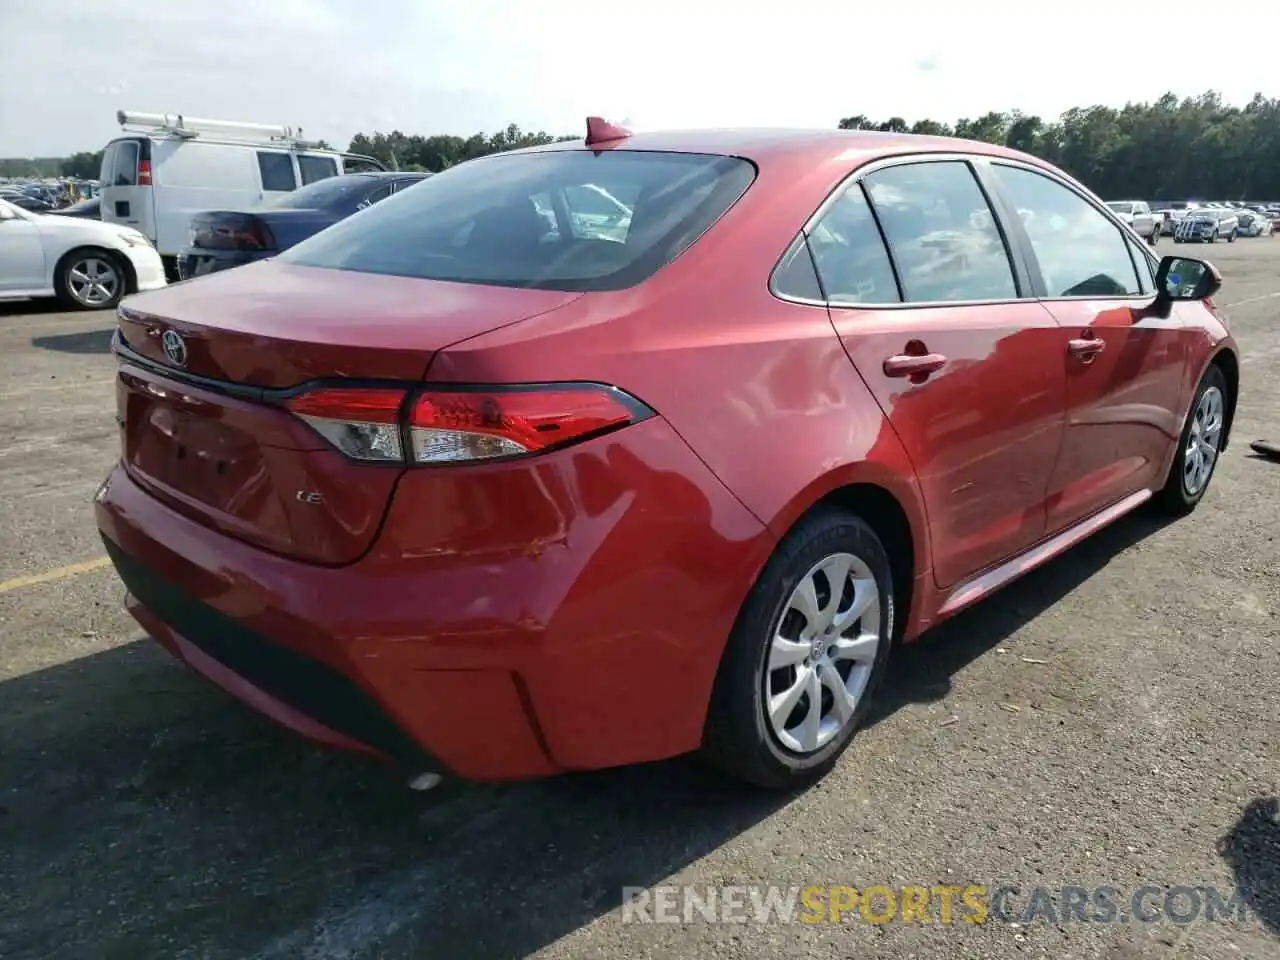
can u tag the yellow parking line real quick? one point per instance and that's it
(58, 573)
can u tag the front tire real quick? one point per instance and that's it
(1155, 235)
(90, 279)
(809, 648)
(1199, 446)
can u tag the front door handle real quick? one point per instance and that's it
(916, 366)
(1085, 349)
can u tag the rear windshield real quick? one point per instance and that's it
(346, 190)
(557, 220)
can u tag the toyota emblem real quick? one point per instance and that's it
(175, 348)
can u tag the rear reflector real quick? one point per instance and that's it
(459, 426)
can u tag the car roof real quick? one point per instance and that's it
(762, 144)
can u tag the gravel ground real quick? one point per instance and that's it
(1115, 722)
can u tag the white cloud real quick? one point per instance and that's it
(335, 67)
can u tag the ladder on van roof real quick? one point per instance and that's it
(189, 128)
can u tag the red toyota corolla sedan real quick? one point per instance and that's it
(618, 449)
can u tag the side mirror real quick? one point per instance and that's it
(7, 214)
(1182, 278)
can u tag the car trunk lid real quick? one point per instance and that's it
(204, 424)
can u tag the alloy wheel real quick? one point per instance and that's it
(93, 281)
(822, 653)
(1204, 440)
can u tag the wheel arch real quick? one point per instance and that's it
(116, 257)
(1228, 362)
(891, 505)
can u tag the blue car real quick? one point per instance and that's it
(222, 239)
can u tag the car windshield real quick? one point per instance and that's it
(554, 220)
(1121, 207)
(345, 190)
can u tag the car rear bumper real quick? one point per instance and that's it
(195, 262)
(595, 647)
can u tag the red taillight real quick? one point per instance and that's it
(449, 426)
(364, 423)
(144, 173)
(459, 426)
(230, 231)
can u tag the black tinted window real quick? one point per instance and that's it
(106, 169)
(277, 171)
(942, 233)
(1081, 253)
(496, 220)
(124, 167)
(850, 255)
(315, 168)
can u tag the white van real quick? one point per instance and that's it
(167, 167)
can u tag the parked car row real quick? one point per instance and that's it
(165, 168)
(1172, 213)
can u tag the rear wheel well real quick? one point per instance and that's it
(884, 514)
(119, 259)
(1226, 362)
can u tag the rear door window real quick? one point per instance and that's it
(277, 171)
(555, 220)
(124, 165)
(106, 169)
(941, 232)
(315, 168)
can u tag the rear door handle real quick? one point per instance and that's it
(914, 365)
(1084, 349)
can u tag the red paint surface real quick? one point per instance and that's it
(570, 610)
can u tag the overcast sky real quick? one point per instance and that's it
(336, 67)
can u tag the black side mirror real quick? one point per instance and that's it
(1182, 278)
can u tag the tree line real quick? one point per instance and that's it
(441, 151)
(1195, 147)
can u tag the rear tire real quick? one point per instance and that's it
(779, 653)
(1201, 437)
(1232, 237)
(90, 278)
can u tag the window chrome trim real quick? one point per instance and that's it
(854, 178)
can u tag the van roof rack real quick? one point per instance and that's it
(190, 128)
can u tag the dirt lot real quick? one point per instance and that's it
(1116, 721)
